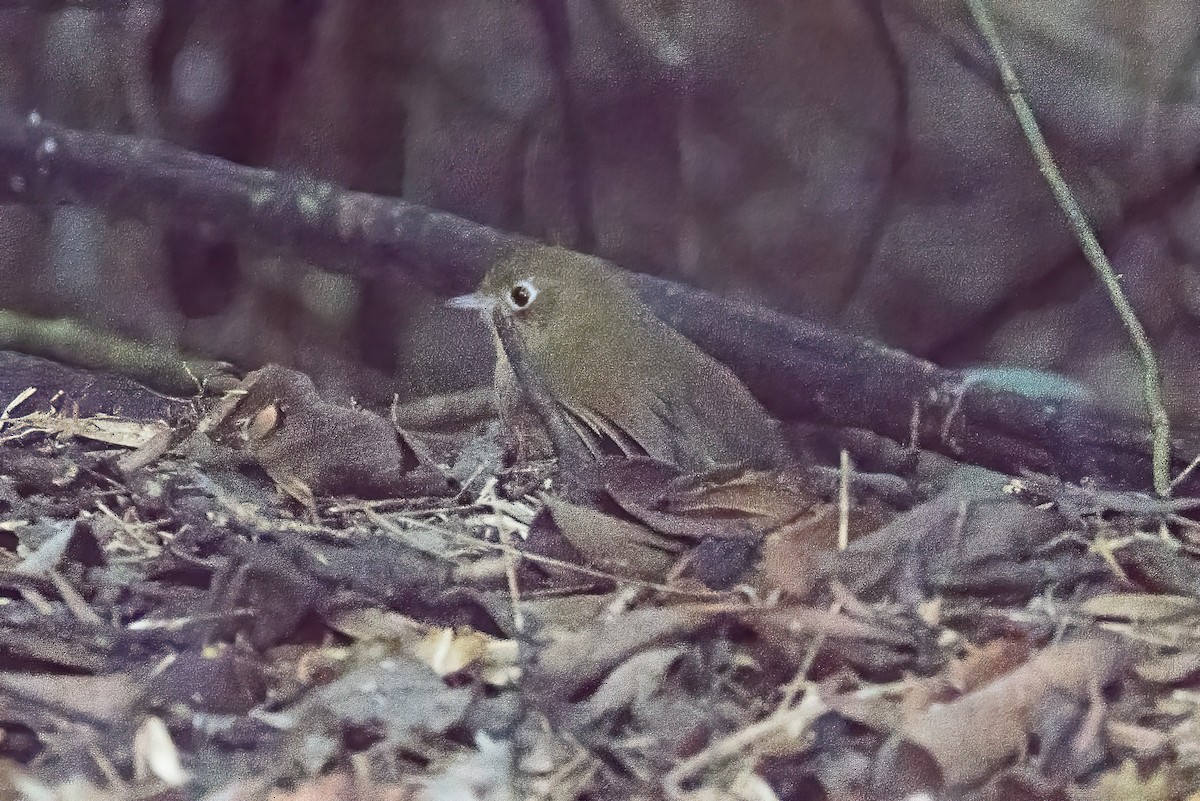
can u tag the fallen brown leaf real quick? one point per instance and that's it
(1125, 784)
(969, 752)
(308, 445)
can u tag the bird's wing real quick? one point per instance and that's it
(633, 430)
(718, 422)
(586, 429)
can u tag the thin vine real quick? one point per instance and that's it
(1160, 424)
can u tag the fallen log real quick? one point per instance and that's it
(801, 371)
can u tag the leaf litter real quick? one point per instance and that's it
(278, 597)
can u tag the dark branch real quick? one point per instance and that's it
(799, 370)
(802, 371)
(348, 231)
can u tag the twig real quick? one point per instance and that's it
(569, 566)
(73, 600)
(406, 537)
(844, 501)
(800, 680)
(1160, 426)
(41, 162)
(22, 396)
(514, 587)
(791, 724)
(1185, 472)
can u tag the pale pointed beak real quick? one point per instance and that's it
(476, 301)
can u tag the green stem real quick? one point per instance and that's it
(1160, 424)
(72, 342)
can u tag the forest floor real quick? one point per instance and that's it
(193, 605)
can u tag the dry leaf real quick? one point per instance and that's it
(99, 428)
(448, 650)
(582, 657)
(985, 663)
(723, 504)
(306, 444)
(632, 682)
(792, 553)
(1124, 784)
(376, 624)
(399, 696)
(1169, 668)
(345, 787)
(1142, 607)
(969, 752)
(96, 697)
(155, 754)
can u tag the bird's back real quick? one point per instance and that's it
(638, 380)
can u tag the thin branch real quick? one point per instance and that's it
(844, 501)
(69, 341)
(349, 231)
(1160, 425)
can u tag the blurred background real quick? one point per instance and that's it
(848, 160)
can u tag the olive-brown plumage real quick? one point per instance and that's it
(620, 375)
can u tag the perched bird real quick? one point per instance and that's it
(624, 380)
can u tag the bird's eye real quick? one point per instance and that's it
(521, 295)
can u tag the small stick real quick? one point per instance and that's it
(800, 680)
(1185, 472)
(844, 502)
(514, 588)
(790, 724)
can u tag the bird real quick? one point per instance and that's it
(627, 382)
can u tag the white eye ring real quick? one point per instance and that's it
(521, 295)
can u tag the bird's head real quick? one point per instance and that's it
(552, 295)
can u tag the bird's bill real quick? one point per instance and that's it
(476, 301)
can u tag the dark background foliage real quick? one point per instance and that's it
(852, 161)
